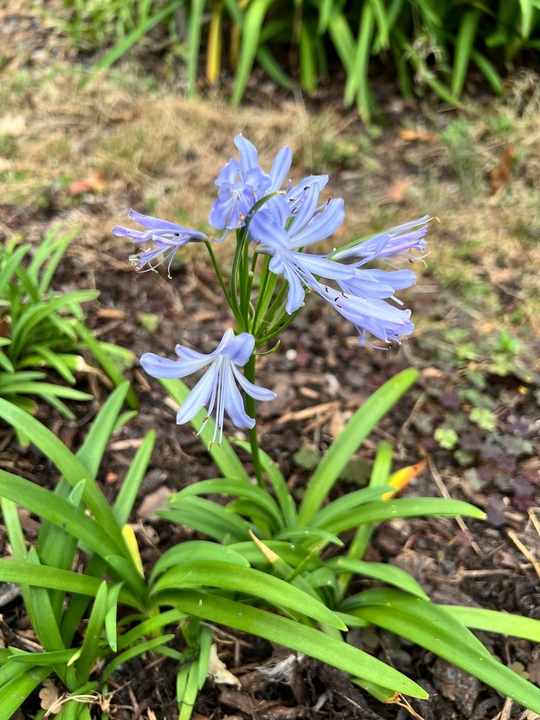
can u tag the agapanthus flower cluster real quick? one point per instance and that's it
(282, 222)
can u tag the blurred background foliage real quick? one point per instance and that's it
(423, 46)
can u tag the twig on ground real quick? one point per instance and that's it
(444, 492)
(525, 551)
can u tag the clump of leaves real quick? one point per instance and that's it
(44, 331)
(267, 574)
(288, 540)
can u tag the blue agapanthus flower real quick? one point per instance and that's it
(243, 183)
(295, 220)
(166, 237)
(217, 390)
(290, 222)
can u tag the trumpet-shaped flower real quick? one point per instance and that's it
(396, 242)
(292, 221)
(217, 390)
(243, 183)
(165, 236)
(369, 315)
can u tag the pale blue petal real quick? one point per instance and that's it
(255, 391)
(321, 226)
(199, 396)
(239, 349)
(225, 340)
(162, 226)
(377, 317)
(186, 353)
(249, 157)
(264, 228)
(297, 292)
(280, 168)
(322, 266)
(160, 367)
(295, 192)
(395, 241)
(302, 210)
(379, 283)
(233, 401)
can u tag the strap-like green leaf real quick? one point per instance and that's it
(432, 627)
(60, 512)
(277, 481)
(348, 442)
(378, 571)
(499, 622)
(15, 692)
(209, 518)
(378, 511)
(132, 482)
(251, 31)
(237, 488)
(196, 550)
(92, 636)
(229, 576)
(69, 465)
(138, 649)
(295, 636)
(24, 573)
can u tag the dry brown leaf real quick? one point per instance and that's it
(153, 502)
(95, 183)
(336, 424)
(218, 671)
(501, 174)
(409, 134)
(49, 696)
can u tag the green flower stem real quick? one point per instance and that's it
(235, 275)
(246, 283)
(274, 332)
(277, 304)
(218, 273)
(266, 290)
(251, 407)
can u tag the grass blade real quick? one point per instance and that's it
(92, 636)
(499, 622)
(194, 44)
(68, 464)
(126, 43)
(60, 512)
(462, 52)
(132, 482)
(15, 692)
(251, 31)
(378, 511)
(236, 488)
